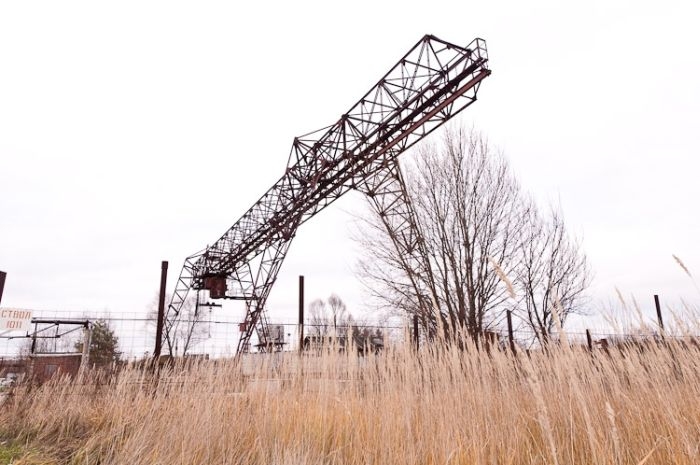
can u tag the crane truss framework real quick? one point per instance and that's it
(387, 192)
(429, 85)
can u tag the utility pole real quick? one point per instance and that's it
(87, 340)
(3, 275)
(161, 310)
(301, 313)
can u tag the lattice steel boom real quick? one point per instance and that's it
(433, 82)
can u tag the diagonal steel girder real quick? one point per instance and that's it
(388, 195)
(432, 83)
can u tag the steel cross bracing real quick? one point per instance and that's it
(433, 82)
(387, 192)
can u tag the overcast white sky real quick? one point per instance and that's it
(137, 131)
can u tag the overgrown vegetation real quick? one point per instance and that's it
(441, 405)
(9, 452)
(104, 345)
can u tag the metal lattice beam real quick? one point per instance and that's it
(389, 198)
(429, 85)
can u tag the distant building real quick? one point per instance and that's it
(361, 341)
(40, 367)
(46, 366)
(13, 369)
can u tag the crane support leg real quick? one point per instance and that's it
(387, 193)
(182, 290)
(256, 318)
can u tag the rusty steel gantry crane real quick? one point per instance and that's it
(429, 85)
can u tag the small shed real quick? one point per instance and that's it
(46, 366)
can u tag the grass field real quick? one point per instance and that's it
(567, 406)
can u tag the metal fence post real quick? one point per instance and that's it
(416, 336)
(589, 340)
(511, 340)
(161, 310)
(301, 313)
(658, 312)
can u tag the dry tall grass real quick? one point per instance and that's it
(437, 407)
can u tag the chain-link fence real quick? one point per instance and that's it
(216, 334)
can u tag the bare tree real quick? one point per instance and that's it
(469, 210)
(318, 323)
(338, 312)
(553, 274)
(330, 317)
(330, 322)
(475, 226)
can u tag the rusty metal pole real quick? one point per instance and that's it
(658, 312)
(301, 313)
(589, 341)
(161, 310)
(3, 275)
(416, 336)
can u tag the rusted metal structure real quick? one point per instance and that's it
(44, 362)
(54, 329)
(161, 309)
(429, 85)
